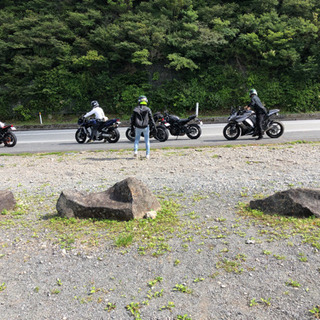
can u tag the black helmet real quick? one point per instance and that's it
(142, 100)
(94, 104)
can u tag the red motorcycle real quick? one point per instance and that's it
(7, 137)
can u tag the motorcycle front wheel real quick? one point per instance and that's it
(130, 136)
(193, 131)
(162, 133)
(276, 130)
(231, 131)
(10, 139)
(80, 136)
(115, 135)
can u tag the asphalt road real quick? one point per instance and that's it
(39, 141)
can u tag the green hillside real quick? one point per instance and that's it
(57, 56)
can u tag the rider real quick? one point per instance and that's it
(260, 111)
(99, 116)
(140, 120)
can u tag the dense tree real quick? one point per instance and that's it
(56, 56)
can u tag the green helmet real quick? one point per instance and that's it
(142, 100)
(253, 91)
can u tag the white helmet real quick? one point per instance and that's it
(253, 91)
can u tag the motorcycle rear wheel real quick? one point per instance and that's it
(276, 130)
(115, 135)
(194, 131)
(162, 133)
(130, 136)
(231, 131)
(10, 139)
(80, 136)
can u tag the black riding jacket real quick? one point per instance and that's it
(142, 117)
(256, 105)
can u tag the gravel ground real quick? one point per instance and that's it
(226, 266)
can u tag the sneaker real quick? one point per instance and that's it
(135, 155)
(259, 138)
(147, 156)
(89, 141)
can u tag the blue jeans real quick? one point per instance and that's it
(145, 132)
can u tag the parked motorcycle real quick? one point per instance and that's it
(180, 127)
(160, 133)
(108, 130)
(243, 122)
(7, 137)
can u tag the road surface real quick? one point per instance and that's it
(39, 141)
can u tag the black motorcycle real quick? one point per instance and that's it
(243, 122)
(180, 127)
(107, 131)
(7, 137)
(160, 132)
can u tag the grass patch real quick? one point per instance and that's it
(90, 232)
(282, 227)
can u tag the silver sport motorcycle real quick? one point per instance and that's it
(242, 122)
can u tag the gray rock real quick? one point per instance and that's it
(7, 201)
(126, 200)
(293, 202)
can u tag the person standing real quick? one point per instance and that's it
(100, 117)
(260, 111)
(141, 120)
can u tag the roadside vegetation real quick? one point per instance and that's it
(57, 57)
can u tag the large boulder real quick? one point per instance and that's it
(293, 202)
(126, 200)
(7, 201)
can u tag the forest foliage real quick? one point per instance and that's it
(57, 56)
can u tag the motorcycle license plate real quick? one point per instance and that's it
(13, 128)
(200, 123)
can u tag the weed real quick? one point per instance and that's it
(182, 288)
(253, 302)
(134, 308)
(176, 262)
(110, 306)
(278, 257)
(293, 283)
(169, 306)
(229, 266)
(214, 275)
(3, 286)
(183, 317)
(124, 240)
(152, 283)
(266, 302)
(198, 280)
(55, 291)
(316, 312)
(303, 258)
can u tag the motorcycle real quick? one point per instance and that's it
(107, 131)
(243, 122)
(160, 132)
(180, 127)
(7, 137)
